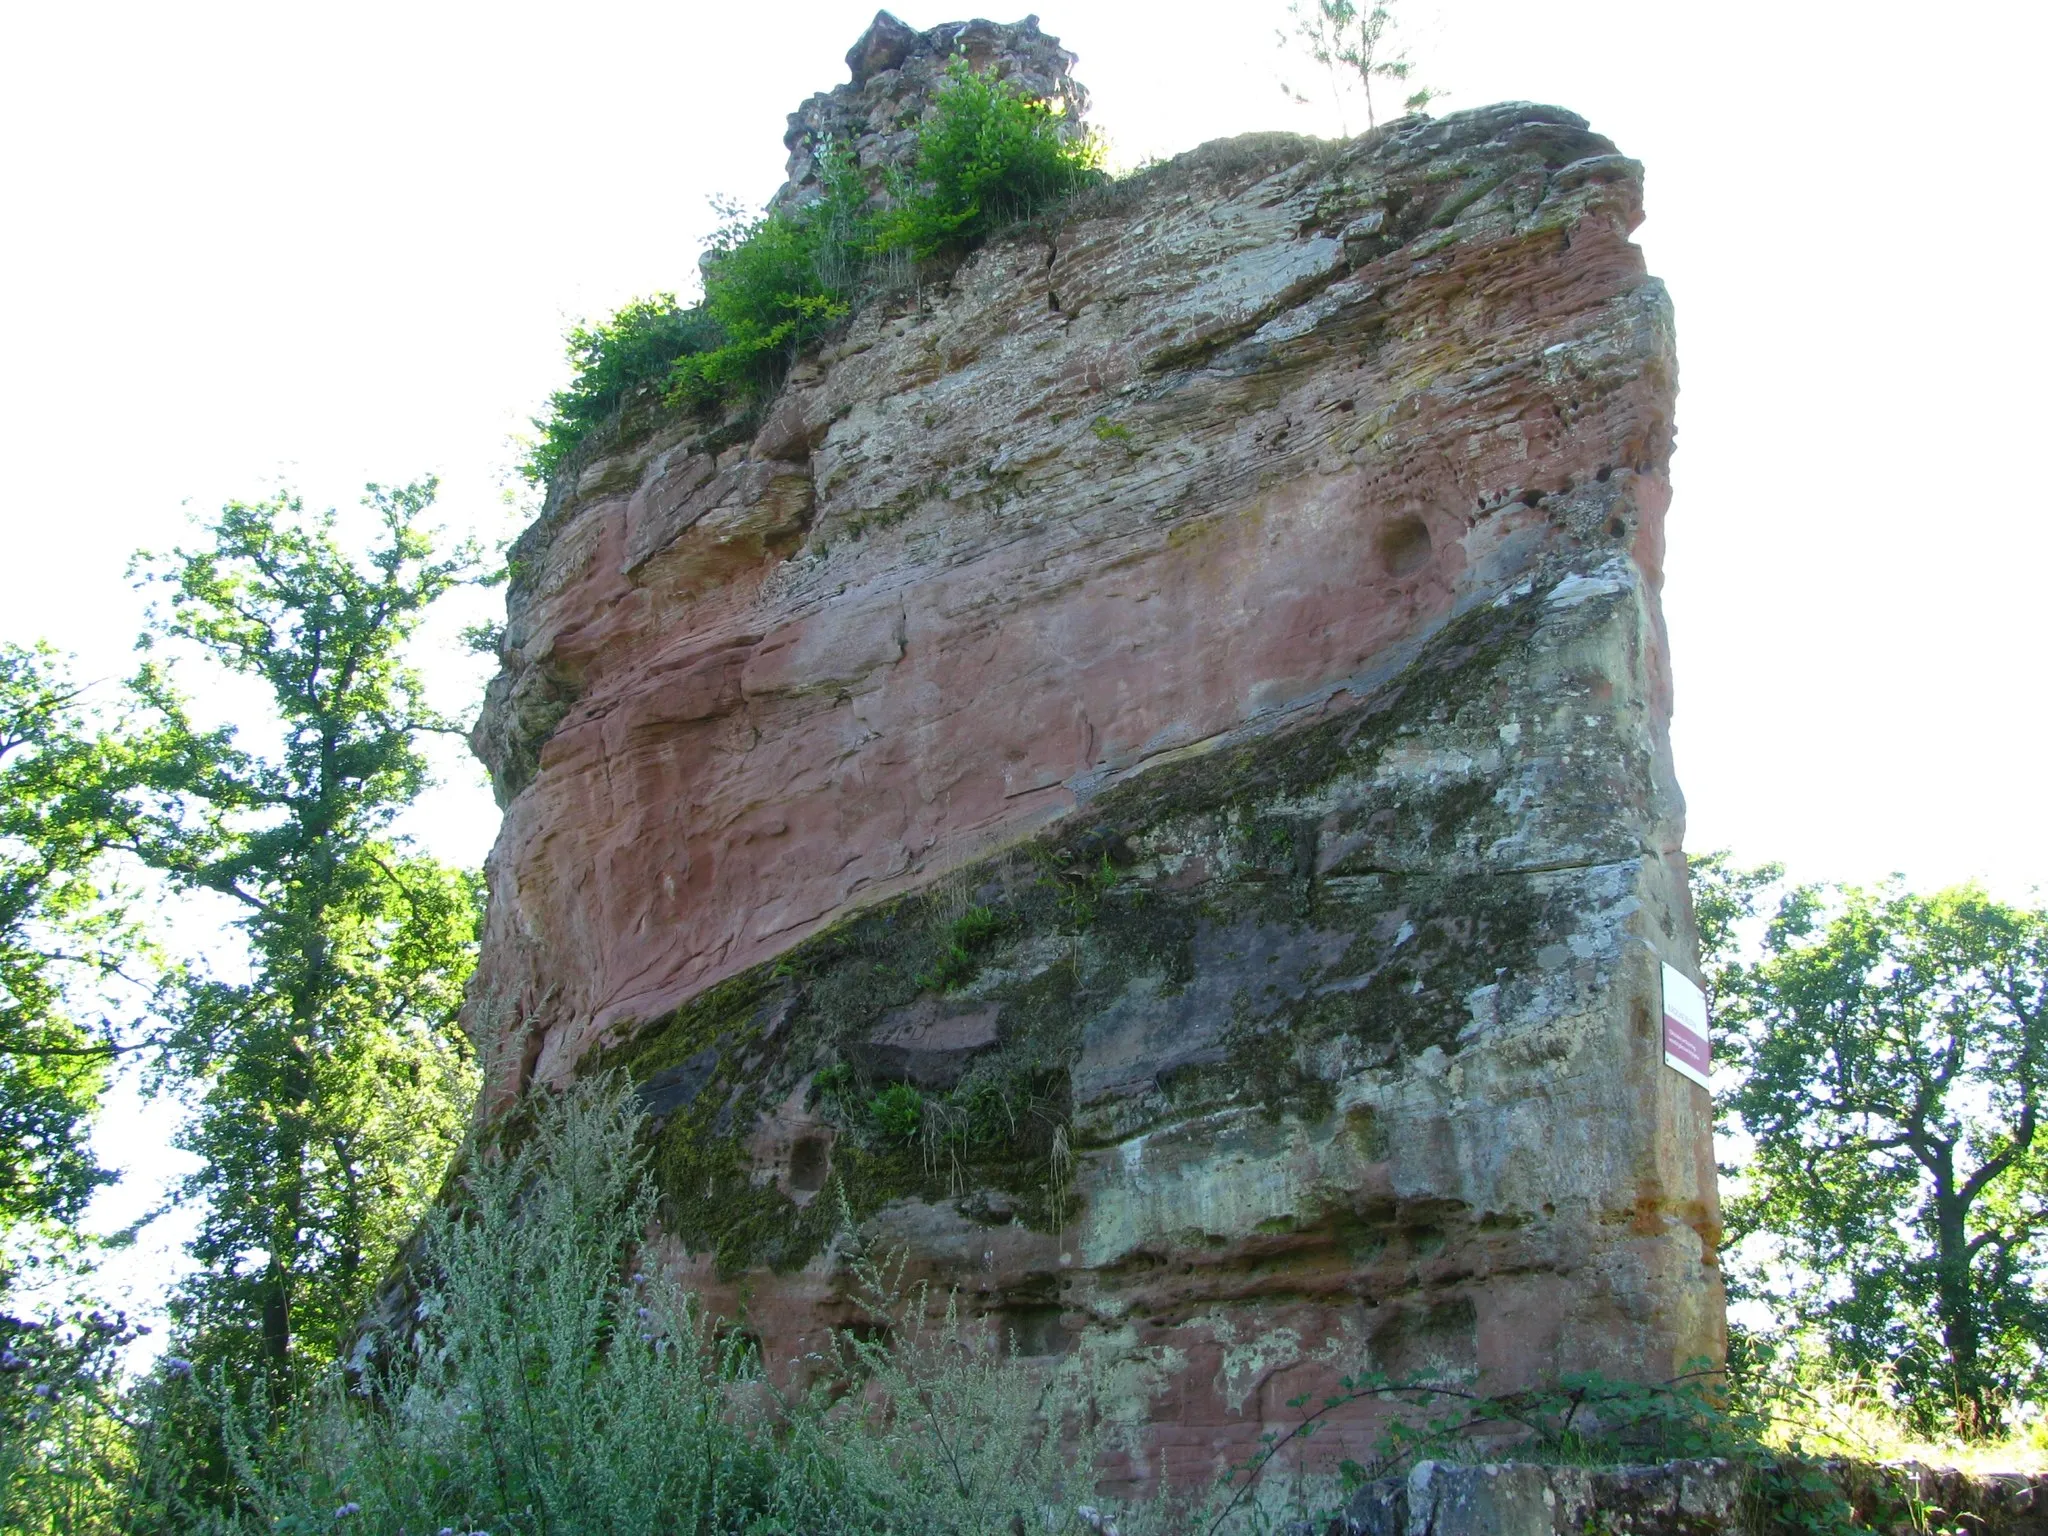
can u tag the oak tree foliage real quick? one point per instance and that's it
(70, 769)
(328, 1075)
(1892, 1059)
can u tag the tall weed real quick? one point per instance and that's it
(948, 1425)
(65, 1457)
(546, 1387)
(547, 1383)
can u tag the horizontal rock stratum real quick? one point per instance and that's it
(1142, 780)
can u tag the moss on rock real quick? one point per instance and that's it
(1271, 971)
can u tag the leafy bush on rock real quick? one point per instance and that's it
(989, 156)
(610, 363)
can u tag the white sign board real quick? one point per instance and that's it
(1685, 1027)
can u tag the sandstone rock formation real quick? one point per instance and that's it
(1142, 776)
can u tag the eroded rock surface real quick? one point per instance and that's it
(1144, 774)
(896, 72)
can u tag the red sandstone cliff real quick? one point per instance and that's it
(1186, 693)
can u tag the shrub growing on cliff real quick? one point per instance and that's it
(773, 285)
(990, 155)
(609, 363)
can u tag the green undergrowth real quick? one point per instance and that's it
(1065, 930)
(551, 1380)
(988, 156)
(551, 1376)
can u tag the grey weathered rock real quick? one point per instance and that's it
(1688, 1498)
(522, 706)
(1677, 1498)
(896, 72)
(886, 44)
(929, 1043)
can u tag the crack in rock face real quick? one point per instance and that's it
(1142, 778)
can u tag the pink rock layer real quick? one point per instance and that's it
(1199, 463)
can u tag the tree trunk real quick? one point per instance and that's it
(287, 1228)
(1976, 1417)
(276, 1343)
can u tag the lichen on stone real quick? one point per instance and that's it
(1287, 972)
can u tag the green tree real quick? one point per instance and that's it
(1347, 40)
(1725, 898)
(75, 975)
(1893, 1059)
(66, 781)
(329, 1077)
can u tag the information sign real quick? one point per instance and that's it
(1685, 1027)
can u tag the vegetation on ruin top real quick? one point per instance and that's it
(988, 156)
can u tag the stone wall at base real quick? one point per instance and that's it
(1687, 1498)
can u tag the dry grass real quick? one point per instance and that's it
(1821, 1412)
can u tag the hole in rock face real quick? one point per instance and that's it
(1418, 1336)
(745, 1345)
(1035, 1330)
(1403, 545)
(809, 1161)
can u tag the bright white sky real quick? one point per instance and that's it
(257, 243)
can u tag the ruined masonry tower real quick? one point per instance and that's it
(1143, 775)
